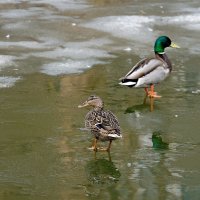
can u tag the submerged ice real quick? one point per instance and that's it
(8, 81)
(74, 57)
(64, 43)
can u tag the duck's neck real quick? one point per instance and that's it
(165, 58)
(97, 108)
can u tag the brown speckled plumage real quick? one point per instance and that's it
(103, 124)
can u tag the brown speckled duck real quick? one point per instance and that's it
(102, 123)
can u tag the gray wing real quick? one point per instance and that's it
(153, 77)
(143, 67)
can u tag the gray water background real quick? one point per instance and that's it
(53, 55)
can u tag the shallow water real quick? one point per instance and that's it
(53, 55)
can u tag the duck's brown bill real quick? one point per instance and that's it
(83, 104)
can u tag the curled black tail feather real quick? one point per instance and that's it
(129, 80)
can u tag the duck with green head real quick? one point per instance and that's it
(150, 71)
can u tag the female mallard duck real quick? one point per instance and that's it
(150, 71)
(102, 124)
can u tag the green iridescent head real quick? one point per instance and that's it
(161, 43)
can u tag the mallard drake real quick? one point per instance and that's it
(103, 124)
(151, 71)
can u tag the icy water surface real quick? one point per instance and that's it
(53, 55)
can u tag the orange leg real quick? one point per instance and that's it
(109, 146)
(152, 93)
(94, 145)
(151, 104)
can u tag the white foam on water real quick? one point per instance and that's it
(23, 44)
(9, 1)
(8, 81)
(6, 61)
(78, 50)
(145, 140)
(43, 43)
(127, 27)
(14, 26)
(74, 57)
(141, 28)
(141, 31)
(28, 13)
(50, 42)
(197, 91)
(93, 42)
(195, 26)
(174, 189)
(190, 21)
(127, 49)
(195, 49)
(177, 175)
(74, 53)
(64, 4)
(183, 19)
(16, 13)
(68, 67)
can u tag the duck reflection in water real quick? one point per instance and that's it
(158, 141)
(102, 171)
(143, 106)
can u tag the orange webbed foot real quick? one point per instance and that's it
(93, 148)
(153, 95)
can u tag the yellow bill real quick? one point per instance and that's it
(173, 45)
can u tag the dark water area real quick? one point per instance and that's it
(53, 55)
